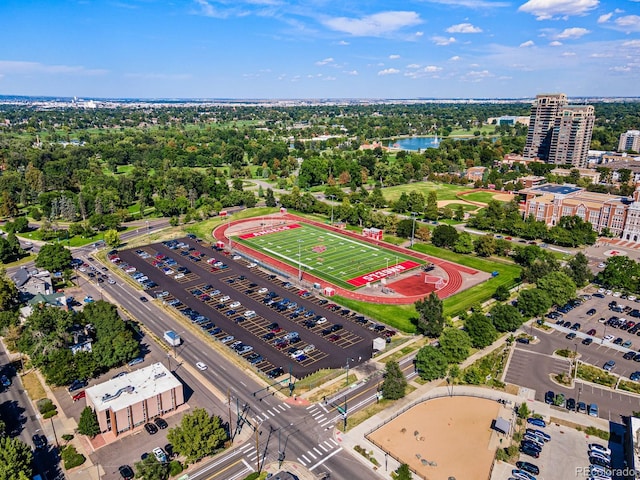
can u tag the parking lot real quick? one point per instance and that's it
(603, 328)
(268, 321)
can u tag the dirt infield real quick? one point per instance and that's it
(503, 197)
(443, 438)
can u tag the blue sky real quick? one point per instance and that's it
(319, 48)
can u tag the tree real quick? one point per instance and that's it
(480, 329)
(270, 199)
(533, 302)
(431, 209)
(405, 228)
(112, 238)
(578, 269)
(53, 257)
(394, 384)
(464, 243)
(523, 410)
(198, 435)
(403, 472)
(444, 236)
(485, 246)
(455, 344)
(88, 424)
(8, 293)
(430, 321)
(151, 469)
(620, 272)
(506, 318)
(431, 363)
(15, 459)
(558, 286)
(502, 293)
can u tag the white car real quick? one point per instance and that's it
(236, 257)
(201, 366)
(225, 298)
(111, 281)
(263, 290)
(249, 314)
(252, 265)
(160, 455)
(608, 292)
(321, 320)
(235, 305)
(616, 294)
(596, 447)
(601, 265)
(297, 353)
(601, 290)
(309, 348)
(180, 275)
(632, 298)
(609, 338)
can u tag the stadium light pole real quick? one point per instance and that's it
(299, 260)
(413, 228)
(331, 197)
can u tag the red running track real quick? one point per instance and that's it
(451, 269)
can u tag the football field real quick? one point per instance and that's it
(341, 260)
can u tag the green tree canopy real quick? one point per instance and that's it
(403, 472)
(198, 435)
(444, 236)
(430, 321)
(578, 269)
(533, 302)
(464, 243)
(112, 238)
(558, 286)
(455, 344)
(8, 293)
(620, 272)
(506, 318)
(480, 329)
(151, 469)
(88, 424)
(15, 459)
(394, 384)
(431, 363)
(54, 257)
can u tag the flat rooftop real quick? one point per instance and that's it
(134, 387)
(556, 189)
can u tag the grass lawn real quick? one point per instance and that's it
(33, 386)
(333, 257)
(483, 197)
(396, 316)
(444, 191)
(466, 207)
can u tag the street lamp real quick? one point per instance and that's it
(347, 379)
(299, 260)
(413, 228)
(331, 197)
(148, 234)
(575, 373)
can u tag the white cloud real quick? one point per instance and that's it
(394, 57)
(632, 43)
(18, 67)
(568, 54)
(343, 43)
(443, 41)
(159, 76)
(432, 69)
(376, 25)
(464, 28)
(419, 34)
(389, 71)
(605, 18)
(477, 76)
(330, 79)
(413, 66)
(574, 32)
(628, 23)
(528, 43)
(326, 61)
(455, 58)
(555, 43)
(600, 55)
(352, 73)
(623, 69)
(548, 9)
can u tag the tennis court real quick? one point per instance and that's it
(336, 258)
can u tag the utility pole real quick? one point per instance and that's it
(413, 228)
(229, 406)
(332, 197)
(299, 260)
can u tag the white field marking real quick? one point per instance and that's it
(326, 458)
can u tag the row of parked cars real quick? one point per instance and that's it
(600, 462)
(531, 444)
(559, 400)
(132, 271)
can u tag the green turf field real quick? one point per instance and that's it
(444, 191)
(328, 255)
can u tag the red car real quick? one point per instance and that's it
(79, 395)
(591, 332)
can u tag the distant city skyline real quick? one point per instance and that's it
(271, 49)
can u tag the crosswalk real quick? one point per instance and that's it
(316, 455)
(261, 416)
(319, 413)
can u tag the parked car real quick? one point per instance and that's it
(538, 422)
(151, 428)
(160, 422)
(126, 472)
(609, 365)
(593, 410)
(549, 397)
(77, 385)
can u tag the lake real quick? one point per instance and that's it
(415, 143)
